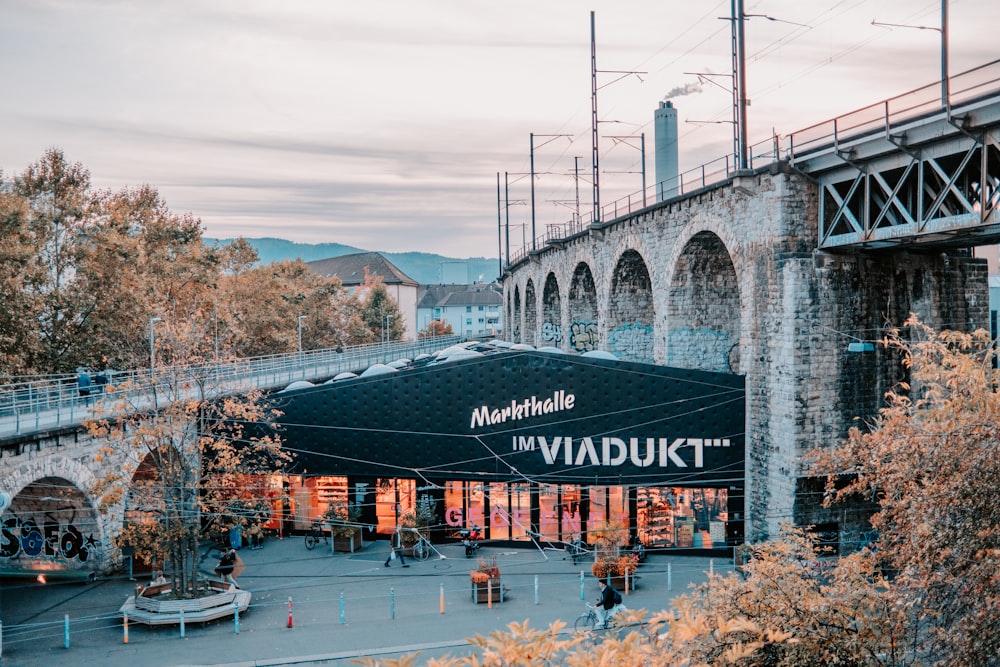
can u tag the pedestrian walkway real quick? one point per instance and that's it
(311, 606)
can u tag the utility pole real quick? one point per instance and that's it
(595, 159)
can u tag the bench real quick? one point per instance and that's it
(199, 610)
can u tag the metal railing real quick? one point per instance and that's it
(966, 88)
(43, 403)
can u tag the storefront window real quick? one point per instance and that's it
(682, 517)
(393, 497)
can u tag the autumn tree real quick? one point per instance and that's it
(435, 328)
(379, 312)
(931, 460)
(186, 465)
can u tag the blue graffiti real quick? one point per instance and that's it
(27, 538)
(551, 332)
(633, 341)
(706, 349)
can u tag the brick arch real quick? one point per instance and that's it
(583, 335)
(631, 313)
(530, 314)
(703, 307)
(552, 331)
(60, 488)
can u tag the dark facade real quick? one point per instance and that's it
(529, 444)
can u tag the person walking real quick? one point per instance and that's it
(608, 604)
(396, 549)
(225, 567)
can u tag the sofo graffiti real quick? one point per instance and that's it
(30, 540)
(633, 341)
(583, 336)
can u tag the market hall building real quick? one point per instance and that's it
(526, 445)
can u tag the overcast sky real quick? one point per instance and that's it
(383, 123)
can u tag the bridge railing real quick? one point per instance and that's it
(964, 88)
(50, 402)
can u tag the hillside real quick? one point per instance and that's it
(425, 268)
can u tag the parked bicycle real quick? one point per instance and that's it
(422, 548)
(577, 550)
(315, 535)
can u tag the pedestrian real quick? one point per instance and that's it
(396, 549)
(609, 604)
(84, 383)
(225, 567)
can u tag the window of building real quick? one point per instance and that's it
(468, 309)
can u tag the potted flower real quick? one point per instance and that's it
(417, 522)
(343, 517)
(619, 572)
(486, 585)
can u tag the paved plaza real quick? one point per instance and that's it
(342, 606)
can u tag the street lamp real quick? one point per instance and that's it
(152, 342)
(299, 323)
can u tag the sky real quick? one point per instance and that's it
(383, 124)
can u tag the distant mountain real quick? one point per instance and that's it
(425, 268)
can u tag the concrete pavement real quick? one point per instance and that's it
(342, 606)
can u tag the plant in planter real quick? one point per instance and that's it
(617, 570)
(343, 517)
(485, 579)
(417, 522)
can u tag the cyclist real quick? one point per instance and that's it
(609, 604)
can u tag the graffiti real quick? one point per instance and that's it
(705, 349)
(583, 336)
(633, 341)
(551, 332)
(28, 538)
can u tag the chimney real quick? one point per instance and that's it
(665, 132)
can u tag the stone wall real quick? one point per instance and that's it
(729, 279)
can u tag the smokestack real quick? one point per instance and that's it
(665, 132)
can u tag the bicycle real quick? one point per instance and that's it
(588, 621)
(315, 535)
(422, 548)
(576, 550)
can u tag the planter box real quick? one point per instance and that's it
(482, 593)
(348, 544)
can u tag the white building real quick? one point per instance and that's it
(471, 310)
(351, 269)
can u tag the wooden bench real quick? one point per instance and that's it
(150, 611)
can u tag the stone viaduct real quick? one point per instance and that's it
(729, 278)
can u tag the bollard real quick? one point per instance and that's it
(583, 595)
(236, 618)
(442, 598)
(66, 631)
(711, 566)
(125, 629)
(536, 589)
(670, 580)
(182, 622)
(489, 594)
(343, 618)
(289, 612)
(392, 603)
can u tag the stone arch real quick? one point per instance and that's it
(631, 314)
(52, 525)
(515, 321)
(584, 335)
(530, 314)
(703, 307)
(552, 333)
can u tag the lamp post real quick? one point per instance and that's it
(298, 321)
(152, 342)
